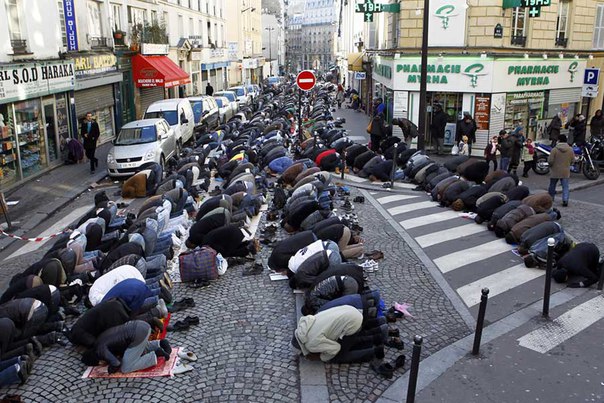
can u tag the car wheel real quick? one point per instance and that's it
(178, 149)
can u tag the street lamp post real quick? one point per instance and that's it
(270, 49)
(421, 139)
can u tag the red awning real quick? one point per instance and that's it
(157, 71)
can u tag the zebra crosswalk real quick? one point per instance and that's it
(468, 255)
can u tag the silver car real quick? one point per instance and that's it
(138, 143)
(232, 97)
(225, 108)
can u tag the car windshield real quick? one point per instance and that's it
(136, 135)
(239, 91)
(273, 80)
(197, 107)
(170, 116)
(250, 88)
(230, 97)
(218, 102)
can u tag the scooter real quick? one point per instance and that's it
(581, 163)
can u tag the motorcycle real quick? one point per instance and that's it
(583, 161)
(596, 149)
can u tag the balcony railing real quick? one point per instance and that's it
(19, 46)
(562, 42)
(519, 40)
(98, 42)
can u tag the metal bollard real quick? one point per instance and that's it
(393, 166)
(480, 320)
(417, 350)
(601, 268)
(548, 276)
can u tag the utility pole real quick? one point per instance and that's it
(421, 139)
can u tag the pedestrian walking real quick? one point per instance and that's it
(560, 160)
(437, 128)
(528, 156)
(90, 133)
(506, 146)
(377, 129)
(490, 152)
(596, 126)
(518, 142)
(340, 96)
(209, 89)
(466, 127)
(553, 129)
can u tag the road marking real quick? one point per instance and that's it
(428, 219)
(306, 80)
(498, 283)
(58, 226)
(393, 198)
(360, 139)
(564, 326)
(448, 235)
(353, 178)
(464, 257)
(411, 207)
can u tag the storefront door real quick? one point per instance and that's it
(451, 103)
(50, 127)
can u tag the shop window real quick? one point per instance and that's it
(519, 29)
(525, 109)
(30, 136)
(95, 28)
(562, 24)
(598, 41)
(62, 22)
(116, 16)
(9, 163)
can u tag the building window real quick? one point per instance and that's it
(14, 20)
(154, 16)
(598, 42)
(95, 29)
(62, 22)
(562, 24)
(209, 26)
(191, 27)
(519, 26)
(136, 15)
(181, 26)
(116, 16)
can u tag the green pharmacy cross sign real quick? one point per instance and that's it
(533, 6)
(368, 8)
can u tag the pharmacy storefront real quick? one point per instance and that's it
(34, 117)
(498, 93)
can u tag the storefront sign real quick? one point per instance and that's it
(360, 75)
(522, 75)
(445, 74)
(70, 25)
(447, 24)
(19, 82)
(383, 70)
(498, 31)
(482, 109)
(250, 63)
(154, 49)
(233, 50)
(91, 65)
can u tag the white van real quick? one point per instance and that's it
(178, 113)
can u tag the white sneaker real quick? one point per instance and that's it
(181, 368)
(367, 266)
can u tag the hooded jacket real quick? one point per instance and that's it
(559, 160)
(521, 227)
(540, 202)
(505, 224)
(309, 269)
(320, 333)
(329, 289)
(103, 284)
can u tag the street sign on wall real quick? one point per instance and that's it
(591, 76)
(306, 80)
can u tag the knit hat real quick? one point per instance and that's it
(560, 275)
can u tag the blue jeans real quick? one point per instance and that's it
(505, 163)
(9, 371)
(140, 356)
(565, 189)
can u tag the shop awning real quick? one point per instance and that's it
(355, 61)
(157, 71)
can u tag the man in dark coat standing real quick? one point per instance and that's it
(466, 127)
(209, 89)
(90, 134)
(553, 129)
(437, 128)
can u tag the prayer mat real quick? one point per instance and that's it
(161, 335)
(163, 368)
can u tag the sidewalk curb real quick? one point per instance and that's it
(22, 232)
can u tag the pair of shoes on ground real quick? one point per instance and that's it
(183, 365)
(182, 305)
(375, 255)
(257, 268)
(184, 324)
(386, 369)
(369, 266)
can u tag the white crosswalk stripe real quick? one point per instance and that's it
(404, 185)
(411, 207)
(354, 178)
(393, 198)
(358, 139)
(450, 234)
(428, 219)
(464, 257)
(498, 283)
(565, 326)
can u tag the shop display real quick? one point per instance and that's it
(28, 126)
(9, 171)
(524, 109)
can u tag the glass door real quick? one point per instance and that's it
(31, 140)
(50, 127)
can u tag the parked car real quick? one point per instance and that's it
(225, 108)
(232, 97)
(243, 95)
(141, 142)
(274, 81)
(254, 91)
(205, 112)
(179, 115)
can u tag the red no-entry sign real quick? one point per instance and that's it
(306, 80)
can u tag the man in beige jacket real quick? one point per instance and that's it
(560, 160)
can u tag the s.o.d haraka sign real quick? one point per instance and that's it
(24, 81)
